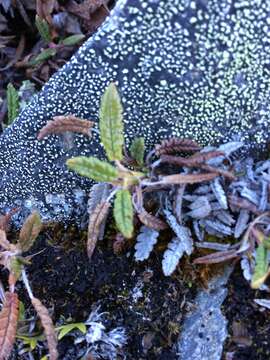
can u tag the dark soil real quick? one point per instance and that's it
(64, 280)
(254, 321)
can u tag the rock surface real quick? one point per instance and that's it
(197, 69)
(205, 329)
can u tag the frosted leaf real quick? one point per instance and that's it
(246, 268)
(264, 196)
(182, 232)
(230, 147)
(225, 217)
(263, 302)
(250, 195)
(202, 190)
(172, 256)
(219, 193)
(198, 230)
(200, 208)
(219, 227)
(242, 223)
(145, 243)
(97, 194)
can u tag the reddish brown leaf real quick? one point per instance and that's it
(151, 221)
(95, 222)
(47, 324)
(4, 243)
(8, 324)
(241, 203)
(30, 231)
(195, 160)
(217, 257)
(44, 8)
(175, 145)
(61, 124)
(187, 179)
(5, 219)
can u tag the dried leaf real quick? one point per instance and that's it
(12, 103)
(219, 193)
(111, 123)
(176, 145)
(47, 324)
(123, 213)
(263, 302)
(172, 256)
(217, 257)
(187, 179)
(182, 232)
(95, 221)
(151, 221)
(30, 231)
(145, 243)
(93, 168)
(242, 223)
(261, 270)
(98, 193)
(4, 243)
(137, 149)
(61, 124)
(200, 208)
(73, 39)
(8, 324)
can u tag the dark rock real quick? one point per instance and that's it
(198, 69)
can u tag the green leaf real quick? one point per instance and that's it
(93, 168)
(43, 29)
(44, 55)
(65, 329)
(73, 39)
(261, 268)
(30, 231)
(12, 103)
(137, 149)
(111, 123)
(16, 267)
(21, 311)
(123, 213)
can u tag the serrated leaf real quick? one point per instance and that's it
(73, 39)
(123, 213)
(47, 324)
(137, 150)
(96, 219)
(261, 270)
(8, 324)
(172, 256)
(44, 55)
(12, 103)
(62, 124)
(182, 232)
(145, 243)
(111, 123)
(43, 29)
(93, 168)
(66, 329)
(30, 231)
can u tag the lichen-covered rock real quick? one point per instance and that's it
(197, 69)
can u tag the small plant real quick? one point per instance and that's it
(201, 197)
(126, 184)
(13, 259)
(52, 45)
